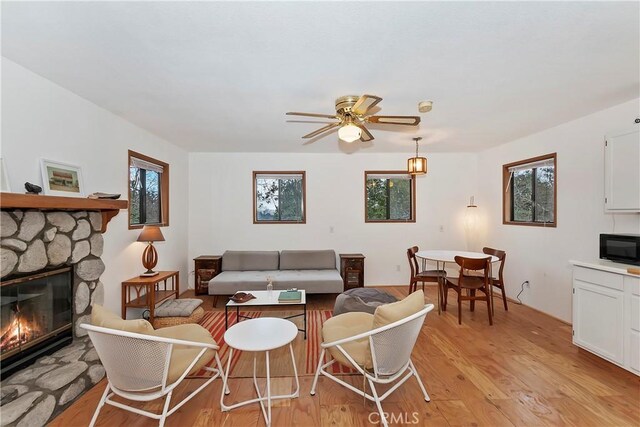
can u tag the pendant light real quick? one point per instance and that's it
(417, 165)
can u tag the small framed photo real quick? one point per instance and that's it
(61, 179)
(5, 186)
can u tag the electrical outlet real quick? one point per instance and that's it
(331, 229)
(442, 228)
(398, 267)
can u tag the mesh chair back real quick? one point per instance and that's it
(392, 348)
(131, 364)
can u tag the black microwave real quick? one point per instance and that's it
(624, 248)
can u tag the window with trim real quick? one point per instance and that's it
(529, 191)
(390, 196)
(148, 191)
(279, 197)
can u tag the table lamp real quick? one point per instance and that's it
(150, 234)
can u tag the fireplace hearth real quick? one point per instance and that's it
(35, 317)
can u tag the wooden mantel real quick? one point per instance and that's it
(108, 207)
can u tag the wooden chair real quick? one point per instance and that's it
(470, 282)
(499, 281)
(431, 276)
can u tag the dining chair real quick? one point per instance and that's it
(498, 282)
(471, 283)
(430, 276)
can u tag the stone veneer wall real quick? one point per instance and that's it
(31, 240)
(34, 240)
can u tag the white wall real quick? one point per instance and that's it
(43, 120)
(541, 255)
(220, 207)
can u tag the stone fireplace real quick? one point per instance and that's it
(40, 247)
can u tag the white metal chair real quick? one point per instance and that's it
(390, 346)
(138, 368)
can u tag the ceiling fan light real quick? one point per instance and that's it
(349, 133)
(417, 165)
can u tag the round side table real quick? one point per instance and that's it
(257, 335)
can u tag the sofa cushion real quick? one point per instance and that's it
(100, 316)
(389, 313)
(250, 260)
(308, 260)
(312, 281)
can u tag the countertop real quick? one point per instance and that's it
(604, 265)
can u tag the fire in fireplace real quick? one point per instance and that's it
(35, 317)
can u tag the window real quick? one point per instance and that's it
(148, 191)
(279, 198)
(529, 189)
(390, 196)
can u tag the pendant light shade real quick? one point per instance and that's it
(417, 165)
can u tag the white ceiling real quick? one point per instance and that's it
(220, 76)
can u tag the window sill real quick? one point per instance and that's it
(139, 226)
(390, 221)
(531, 224)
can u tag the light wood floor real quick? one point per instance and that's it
(522, 371)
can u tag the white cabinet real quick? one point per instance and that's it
(622, 172)
(632, 328)
(606, 313)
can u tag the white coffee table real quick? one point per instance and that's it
(264, 299)
(257, 335)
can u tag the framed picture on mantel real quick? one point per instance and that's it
(61, 179)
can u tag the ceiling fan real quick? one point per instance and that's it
(352, 115)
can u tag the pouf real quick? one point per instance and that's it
(178, 312)
(361, 299)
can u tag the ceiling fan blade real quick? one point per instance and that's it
(365, 103)
(321, 130)
(325, 116)
(366, 135)
(395, 120)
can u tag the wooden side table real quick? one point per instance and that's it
(148, 292)
(206, 268)
(352, 270)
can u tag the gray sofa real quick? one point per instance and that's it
(313, 271)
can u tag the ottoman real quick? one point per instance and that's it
(178, 312)
(361, 299)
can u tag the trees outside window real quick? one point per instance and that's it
(389, 196)
(279, 197)
(530, 191)
(148, 191)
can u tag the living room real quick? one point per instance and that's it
(201, 91)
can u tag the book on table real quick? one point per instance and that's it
(290, 296)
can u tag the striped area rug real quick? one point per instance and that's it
(306, 351)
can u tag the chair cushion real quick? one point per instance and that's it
(308, 260)
(100, 316)
(344, 326)
(250, 260)
(389, 313)
(182, 356)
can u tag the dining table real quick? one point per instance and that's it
(441, 256)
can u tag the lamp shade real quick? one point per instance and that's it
(151, 233)
(417, 165)
(349, 133)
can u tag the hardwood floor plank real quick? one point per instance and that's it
(522, 371)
